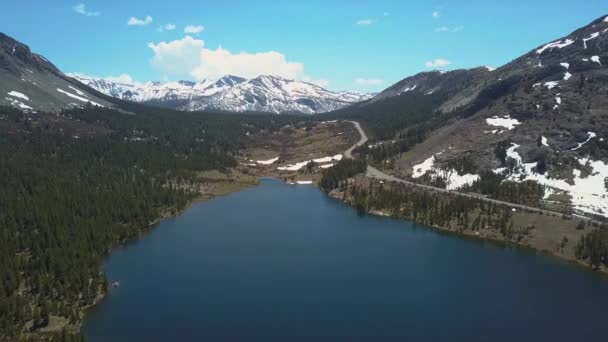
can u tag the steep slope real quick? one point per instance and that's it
(542, 118)
(30, 82)
(230, 93)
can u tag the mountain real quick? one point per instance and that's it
(30, 82)
(540, 119)
(264, 93)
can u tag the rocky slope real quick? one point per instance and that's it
(542, 117)
(30, 82)
(264, 93)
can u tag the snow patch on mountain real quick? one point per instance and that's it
(230, 93)
(453, 179)
(79, 98)
(19, 95)
(557, 44)
(588, 194)
(592, 36)
(506, 122)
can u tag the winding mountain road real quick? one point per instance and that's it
(372, 172)
(349, 153)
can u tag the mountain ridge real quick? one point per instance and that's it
(540, 119)
(267, 93)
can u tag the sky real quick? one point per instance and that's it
(352, 45)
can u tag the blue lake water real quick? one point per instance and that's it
(287, 263)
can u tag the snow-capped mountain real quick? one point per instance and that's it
(230, 93)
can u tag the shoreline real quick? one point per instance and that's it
(602, 271)
(102, 296)
(165, 215)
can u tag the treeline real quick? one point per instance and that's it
(593, 247)
(494, 185)
(434, 209)
(67, 199)
(337, 176)
(384, 119)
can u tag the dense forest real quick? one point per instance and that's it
(386, 118)
(76, 183)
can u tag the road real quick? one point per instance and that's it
(372, 172)
(349, 153)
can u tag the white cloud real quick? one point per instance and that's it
(188, 57)
(194, 29)
(166, 27)
(436, 14)
(133, 21)
(449, 29)
(438, 63)
(369, 81)
(82, 9)
(365, 22)
(178, 57)
(122, 78)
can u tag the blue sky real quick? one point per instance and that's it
(343, 45)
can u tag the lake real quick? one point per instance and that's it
(280, 262)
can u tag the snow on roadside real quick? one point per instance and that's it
(454, 181)
(596, 59)
(505, 122)
(421, 169)
(588, 194)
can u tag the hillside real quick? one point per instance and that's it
(540, 119)
(29, 81)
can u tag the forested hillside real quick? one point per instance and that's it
(78, 182)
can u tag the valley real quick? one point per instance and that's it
(516, 155)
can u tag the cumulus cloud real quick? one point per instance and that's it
(369, 81)
(178, 57)
(365, 22)
(133, 21)
(82, 9)
(437, 63)
(194, 29)
(436, 14)
(166, 27)
(188, 57)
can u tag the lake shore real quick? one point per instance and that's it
(216, 184)
(536, 245)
